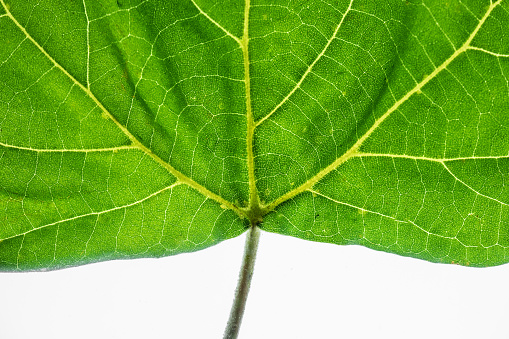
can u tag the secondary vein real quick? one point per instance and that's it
(135, 142)
(310, 68)
(440, 160)
(354, 149)
(77, 150)
(95, 213)
(239, 41)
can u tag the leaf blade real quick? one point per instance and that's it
(357, 122)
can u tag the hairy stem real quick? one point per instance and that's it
(246, 272)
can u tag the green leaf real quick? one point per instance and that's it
(150, 128)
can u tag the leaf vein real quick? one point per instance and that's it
(95, 213)
(389, 217)
(499, 55)
(216, 23)
(135, 142)
(354, 149)
(471, 188)
(440, 160)
(83, 150)
(309, 69)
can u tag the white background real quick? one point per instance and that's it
(300, 289)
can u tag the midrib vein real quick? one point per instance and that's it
(310, 68)
(354, 149)
(135, 142)
(254, 202)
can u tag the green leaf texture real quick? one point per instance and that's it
(135, 128)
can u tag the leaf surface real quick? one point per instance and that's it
(150, 128)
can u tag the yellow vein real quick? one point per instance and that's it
(95, 213)
(72, 78)
(380, 214)
(311, 182)
(472, 189)
(488, 52)
(190, 182)
(348, 154)
(440, 160)
(135, 142)
(216, 23)
(253, 194)
(88, 44)
(48, 150)
(353, 206)
(310, 68)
